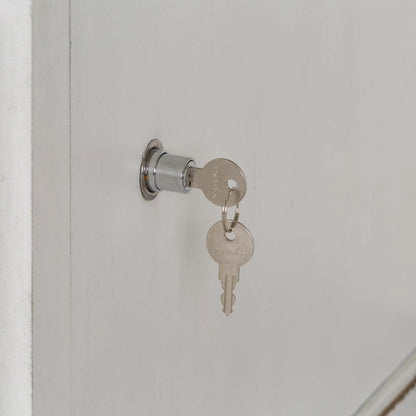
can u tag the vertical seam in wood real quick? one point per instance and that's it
(70, 196)
(32, 292)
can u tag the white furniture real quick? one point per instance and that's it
(315, 101)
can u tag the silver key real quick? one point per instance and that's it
(230, 255)
(213, 179)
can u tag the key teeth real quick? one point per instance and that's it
(223, 305)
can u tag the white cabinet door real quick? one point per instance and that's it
(315, 101)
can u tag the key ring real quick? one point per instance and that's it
(224, 214)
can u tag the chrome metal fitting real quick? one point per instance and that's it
(161, 171)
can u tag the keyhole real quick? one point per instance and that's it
(232, 184)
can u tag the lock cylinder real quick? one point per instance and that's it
(166, 172)
(161, 171)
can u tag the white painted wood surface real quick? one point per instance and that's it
(15, 208)
(315, 102)
(51, 209)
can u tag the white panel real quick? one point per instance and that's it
(51, 209)
(315, 101)
(15, 208)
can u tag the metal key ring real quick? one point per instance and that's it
(224, 214)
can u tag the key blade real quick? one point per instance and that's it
(195, 177)
(229, 276)
(228, 295)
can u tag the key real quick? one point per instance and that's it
(230, 254)
(213, 180)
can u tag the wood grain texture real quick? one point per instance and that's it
(15, 208)
(51, 209)
(315, 101)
